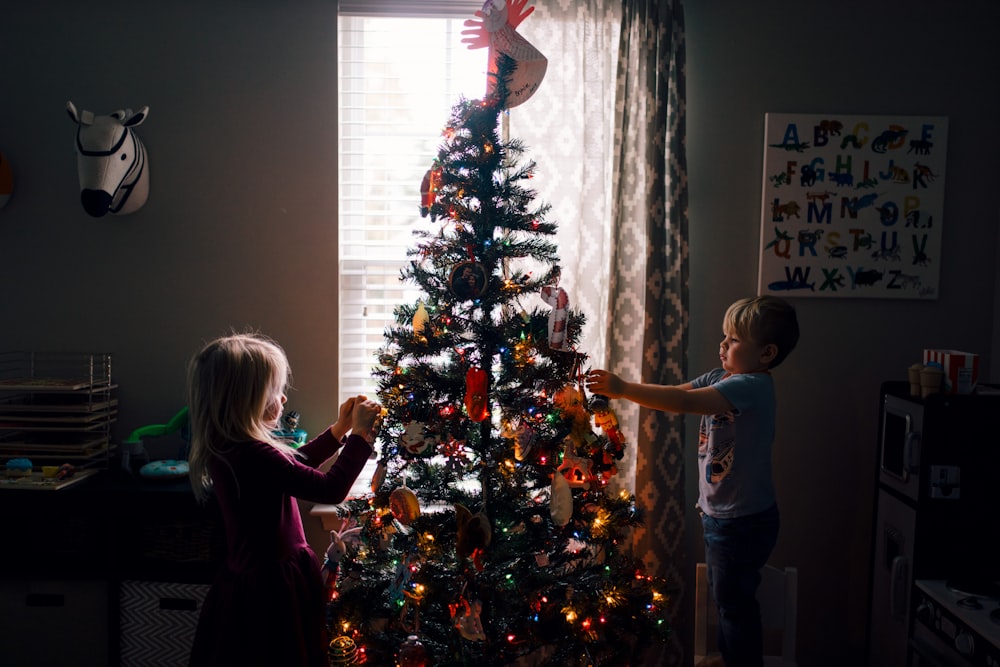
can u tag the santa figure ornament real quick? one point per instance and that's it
(499, 18)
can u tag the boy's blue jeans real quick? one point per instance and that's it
(735, 551)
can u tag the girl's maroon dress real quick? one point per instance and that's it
(266, 606)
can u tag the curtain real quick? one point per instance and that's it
(650, 287)
(616, 176)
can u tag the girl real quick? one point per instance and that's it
(267, 603)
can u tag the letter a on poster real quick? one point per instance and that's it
(852, 206)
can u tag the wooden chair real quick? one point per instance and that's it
(778, 598)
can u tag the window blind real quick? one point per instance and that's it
(404, 8)
(398, 78)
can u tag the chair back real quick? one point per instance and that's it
(778, 598)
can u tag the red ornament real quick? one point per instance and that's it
(428, 190)
(412, 653)
(476, 398)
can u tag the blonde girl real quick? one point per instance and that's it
(266, 605)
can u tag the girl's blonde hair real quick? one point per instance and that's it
(232, 382)
(765, 320)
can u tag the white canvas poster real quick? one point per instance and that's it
(852, 206)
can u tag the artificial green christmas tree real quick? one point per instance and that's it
(491, 534)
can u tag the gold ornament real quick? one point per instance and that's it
(342, 651)
(404, 505)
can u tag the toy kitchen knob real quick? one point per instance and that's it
(964, 643)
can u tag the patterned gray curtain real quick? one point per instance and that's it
(649, 211)
(606, 128)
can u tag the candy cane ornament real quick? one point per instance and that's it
(559, 300)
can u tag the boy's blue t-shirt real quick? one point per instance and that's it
(734, 448)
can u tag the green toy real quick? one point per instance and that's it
(133, 443)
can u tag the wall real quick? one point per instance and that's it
(240, 227)
(924, 58)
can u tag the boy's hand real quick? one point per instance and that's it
(606, 383)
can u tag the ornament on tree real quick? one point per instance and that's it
(474, 535)
(559, 300)
(560, 500)
(412, 597)
(404, 505)
(379, 477)
(421, 323)
(412, 653)
(476, 397)
(576, 470)
(415, 438)
(467, 621)
(428, 190)
(401, 579)
(468, 280)
(607, 420)
(524, 437)
(496, 29)
(572, 406)
(342, 651)
(335, 553)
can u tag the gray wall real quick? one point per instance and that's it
(906, 58)
(240, 227)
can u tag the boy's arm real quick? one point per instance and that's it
(681, 398)
(677, 398)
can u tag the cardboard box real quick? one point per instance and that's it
(961, 369)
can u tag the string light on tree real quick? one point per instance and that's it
(489, 536)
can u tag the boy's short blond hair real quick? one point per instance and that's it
(765, 320)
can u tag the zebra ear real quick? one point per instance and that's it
(81, 117)
(136, 118)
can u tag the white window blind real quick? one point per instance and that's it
(399, 76)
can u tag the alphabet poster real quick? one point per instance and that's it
(852, 206)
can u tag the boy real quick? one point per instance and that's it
(735, 490)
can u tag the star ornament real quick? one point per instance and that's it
(495, 29)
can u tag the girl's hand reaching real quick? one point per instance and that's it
(364, 417)
(343, 423)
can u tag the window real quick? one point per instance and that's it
(399, 76)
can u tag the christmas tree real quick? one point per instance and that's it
(491, 534)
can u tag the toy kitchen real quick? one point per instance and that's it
(935, 582)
